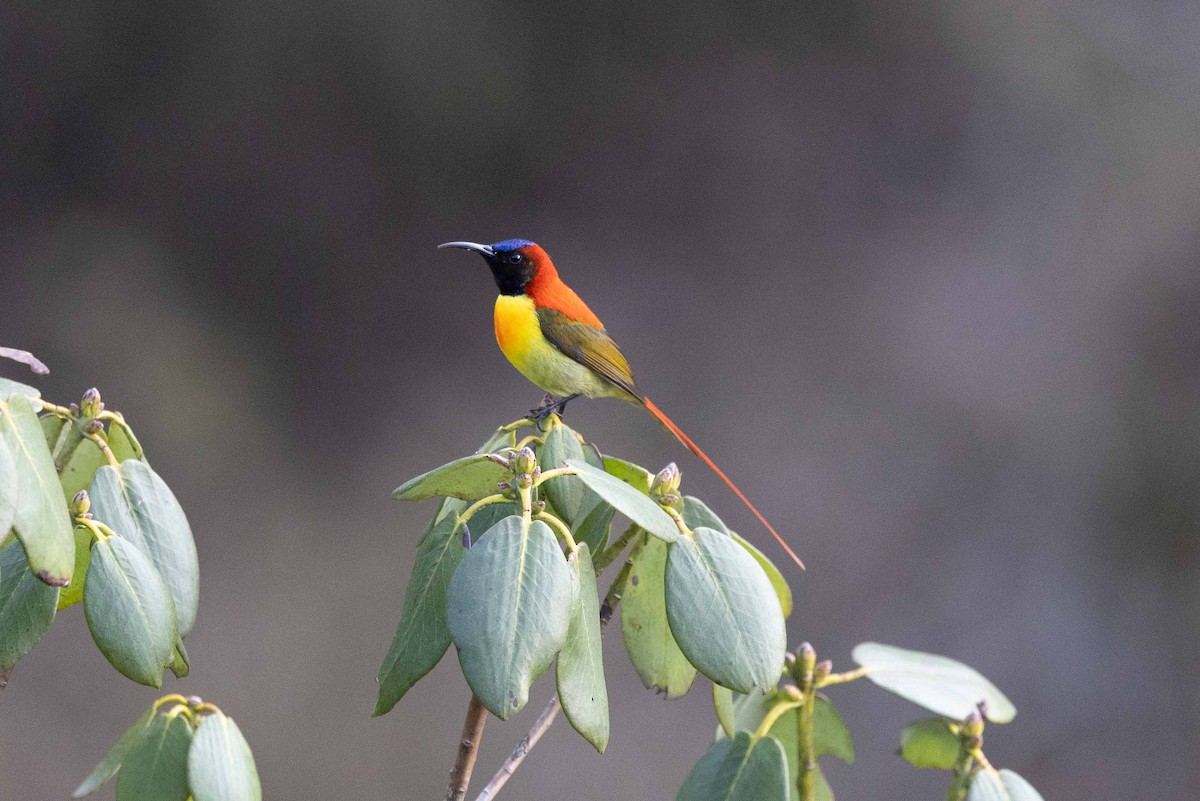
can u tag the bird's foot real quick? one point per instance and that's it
(550, 406)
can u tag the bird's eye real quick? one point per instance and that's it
(514, 258)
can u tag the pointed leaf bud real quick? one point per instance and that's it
(80, 504)
(792, 692)
(523, 461)
(666, 482)
(973, 725)
(806, 658)
(91, 406)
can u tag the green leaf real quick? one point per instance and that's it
(821, 789)
(741, 769)
(509, 611)
(570, 496)
(634, 475)
(73, 592)
(180, 665)
(26, 606)
(929, 743)
(580, 669)
(11, 389)
(652, 648)
(134, 502)
(1002, 786)
(129, 611)
(9, 485)
(723, 707)
(938, 683)
(499, 441)
(80, 469)
(156, 766)
(123, 446)
(422, 635)
(697, 515)
(723, 612)
(486, 519)
(116, 755)
(596, 527)
(830, 736)
(469, 479)
(41, 521)
(628, 501)
(220, 765)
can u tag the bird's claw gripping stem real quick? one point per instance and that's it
(550, 406)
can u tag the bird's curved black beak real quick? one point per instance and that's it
(484, 250)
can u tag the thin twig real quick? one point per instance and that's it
(842, 678)
(468, 750)
(521, 751)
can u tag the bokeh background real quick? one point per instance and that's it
(922, 276)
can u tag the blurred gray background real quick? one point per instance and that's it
(922, 277)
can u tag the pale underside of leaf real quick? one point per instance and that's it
(940, 684)
(220, 764)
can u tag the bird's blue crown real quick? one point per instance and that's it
(509, 245)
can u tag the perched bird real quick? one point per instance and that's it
(552, 337)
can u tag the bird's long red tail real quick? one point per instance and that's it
(694, 448)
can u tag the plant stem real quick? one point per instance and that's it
(526, 494)
(550, 713)
(610, 554)
(678, 518)
(501, 777)
(777, 711)
(103, 446)
(557, 472)
(560, 526)
(525, 441)
(806, 778)
(470, 511)
(962, 777)
(842, 678)
(468, 750)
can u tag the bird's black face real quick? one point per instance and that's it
(513, 270)
(510, 262)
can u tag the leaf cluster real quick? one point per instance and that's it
(767, 746)
(86, 519)
(179, 749)
(507, 572)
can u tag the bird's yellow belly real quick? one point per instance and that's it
(520, 338)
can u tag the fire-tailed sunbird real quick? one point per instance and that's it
(552, 337)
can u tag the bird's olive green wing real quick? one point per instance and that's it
(590, 346)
